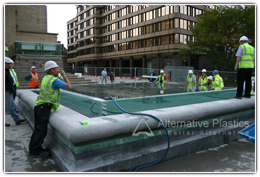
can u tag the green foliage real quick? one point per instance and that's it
(217, 34)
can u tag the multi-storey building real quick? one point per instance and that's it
(148, 36)
(27, 37)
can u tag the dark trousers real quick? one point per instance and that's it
(42, 115)
(244, 74)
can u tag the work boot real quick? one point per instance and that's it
(20, 121)
(238, 97)
(42, 154)
(246, 96)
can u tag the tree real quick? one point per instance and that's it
(217, 34)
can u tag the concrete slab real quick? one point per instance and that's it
(17, 159)
(237, 156)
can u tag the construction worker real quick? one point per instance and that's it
(244, 66)
(218, 83)
(49, 98)
(162, 78)
(191, 82)
(33, 78)
(6, 50)
(191, 78)
(203, 81)
(14, 76)
(10, 106)
(209, 83)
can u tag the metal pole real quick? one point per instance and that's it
(135, 75)
(114, 75)
(96, 73)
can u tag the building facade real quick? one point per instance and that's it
(148, 36)
(27, 37)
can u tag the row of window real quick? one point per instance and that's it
(160, 26)
(155, 41)
(132, 8)
(136, 19)
(162, 11)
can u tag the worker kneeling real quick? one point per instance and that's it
(216, 84)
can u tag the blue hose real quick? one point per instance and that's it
(107, 110)
(154, 118)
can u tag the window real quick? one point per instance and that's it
(163, 11)
(163, 25)
(176, 9)
(148, 29)
(176, 38)
(135, 32)
(167, 25)
(176, 23)
(135, 44)
(141, 43)
(170, 39)
(181, 23)
(171, 24)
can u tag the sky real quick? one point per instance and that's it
(57, 17)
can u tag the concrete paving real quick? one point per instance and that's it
(237, 156)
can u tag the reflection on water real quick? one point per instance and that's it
(133, 90)
(144, 96)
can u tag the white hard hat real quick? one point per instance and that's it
(243, 38)
(49, 65)
(8, 60)
(210, 78)
(162, 71)
(190, 72)
(33, 67)
(204, 71)
(161, 91)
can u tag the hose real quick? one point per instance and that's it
(106, 110)
(158, 161)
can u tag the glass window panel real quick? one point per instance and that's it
(171, 23)
(176, 38)
(163, 11)
(185, 39)
(176, 23)
(181, 23)
(171, 39)
(167, 25)
(176, 9)
(167, 10)
(181, 39)
(185, 24)
(163, 25)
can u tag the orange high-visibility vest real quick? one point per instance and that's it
(34, 82)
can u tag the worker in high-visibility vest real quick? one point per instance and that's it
(10, 91)
(218, 83)
(48, 99)
(191, 82)
(162, 78)
(33, 78)
(203, 81)
(244, 66)
(6, 50)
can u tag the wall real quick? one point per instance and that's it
(36, 37)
